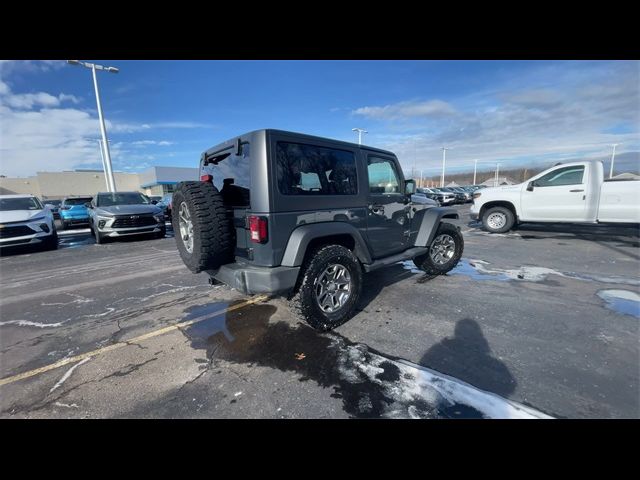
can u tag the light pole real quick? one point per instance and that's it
(497, 173)
(444, 159)
(613, 157)
(360, 132)
(104, 168)
(108, 171)
(475, 167)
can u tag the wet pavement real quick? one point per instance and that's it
(534, 323)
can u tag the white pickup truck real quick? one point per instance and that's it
(566, 193)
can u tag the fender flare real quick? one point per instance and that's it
(303, 235)
(431, 218)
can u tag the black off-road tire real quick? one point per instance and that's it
(213, 230)
(427, 264)
(304, 301)
(508, 215)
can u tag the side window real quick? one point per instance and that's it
(383, 177)
(562, 176)
(313, 170)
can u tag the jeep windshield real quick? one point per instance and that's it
(121, 198)
(25, 203)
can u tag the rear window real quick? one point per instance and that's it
(313, 170)
(232, 175)
(77, 201)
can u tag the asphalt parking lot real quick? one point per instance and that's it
(542, 321)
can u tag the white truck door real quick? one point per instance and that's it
(558, 195)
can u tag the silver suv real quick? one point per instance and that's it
(122, 214)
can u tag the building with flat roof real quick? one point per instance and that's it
(57, 185)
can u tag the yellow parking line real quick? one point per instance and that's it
(146, 336)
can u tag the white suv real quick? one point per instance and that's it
(25, 221)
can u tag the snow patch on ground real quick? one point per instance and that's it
(67, 374)
(416, 385)
(28, 323)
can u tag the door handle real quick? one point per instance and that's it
(576, 191)
(377, 209)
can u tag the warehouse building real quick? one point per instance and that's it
(57, 185)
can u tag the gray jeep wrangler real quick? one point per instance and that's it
(285, 213)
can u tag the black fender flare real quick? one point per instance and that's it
(429, 222)
(303, 235)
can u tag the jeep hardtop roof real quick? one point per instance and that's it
(219, 148)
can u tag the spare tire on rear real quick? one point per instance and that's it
(203, 226)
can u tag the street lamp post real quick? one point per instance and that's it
(104, 166)
(613, 157)
(103, 130)
(444, 159)
(360, 132)
(497, 174)
(475, 168)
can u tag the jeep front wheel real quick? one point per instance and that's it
(329, 287)
(444, 252)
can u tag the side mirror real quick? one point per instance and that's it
(530, 186)
(155, 202)
(88, 205)
(409, 187)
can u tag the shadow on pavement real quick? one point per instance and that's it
(467, 356)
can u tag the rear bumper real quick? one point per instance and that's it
(251, 280)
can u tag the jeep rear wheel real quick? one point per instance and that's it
(203, 227)
(328, 288)
(444, 252)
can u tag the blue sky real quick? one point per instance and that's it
(168, 112)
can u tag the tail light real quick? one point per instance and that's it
(206, 178)
(258, 229)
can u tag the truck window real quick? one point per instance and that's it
(382, 176)
(562, 176)
(313, 170)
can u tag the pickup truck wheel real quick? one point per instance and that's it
(498, 220)
(203, 227)
(444, 252)
(328, 288)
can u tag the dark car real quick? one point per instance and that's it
(460, 197)
(165, 205)
(54, 206)
(291, 214)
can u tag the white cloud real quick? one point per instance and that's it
(408, 109)
(160, 143)
(558, 114)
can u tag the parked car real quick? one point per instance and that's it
(285, 213)
(468, 197)
(122, 214)
(25, 221)
(73, 211)
(571, 193)
(442, 198)
(423, 199)
(54, 206)
(458, 197)
(165, 205)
